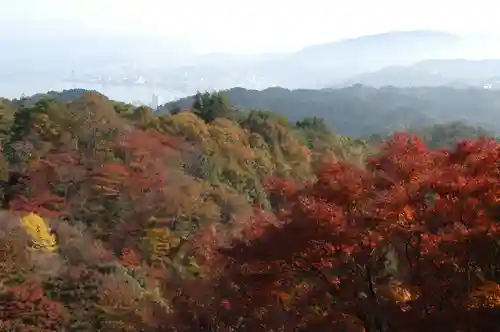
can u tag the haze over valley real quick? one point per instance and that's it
(141, 50)
(134, 69)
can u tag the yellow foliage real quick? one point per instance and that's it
(188, 125)
(160, 242)
(39, 231)
(486, 296)
(231, 144)
(397, 292)
(227, 131)
(257, 142)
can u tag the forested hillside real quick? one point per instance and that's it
(382, 110)
(217, 217)
(445, 135)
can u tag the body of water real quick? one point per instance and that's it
(139, 93)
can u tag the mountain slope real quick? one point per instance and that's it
(362, 111)
(393, 47)
(342, 59)
(437, 72)
(319, 65)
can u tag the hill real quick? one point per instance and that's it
(380, 50)
(382, 110)
(114, 218)
(431, 73)
(65, 95)
(445, 135)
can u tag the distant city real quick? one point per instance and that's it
(155, 86)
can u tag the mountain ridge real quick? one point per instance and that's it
(383, 109)
(434, 72)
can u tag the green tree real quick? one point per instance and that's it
(210, 106)
(313, 123)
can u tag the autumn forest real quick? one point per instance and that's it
(116, 218)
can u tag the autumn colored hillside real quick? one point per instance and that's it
(209, 218)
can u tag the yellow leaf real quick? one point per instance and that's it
(39, 231)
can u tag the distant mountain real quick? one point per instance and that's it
(362, 111)
(437, 72)
(381, 50)
(318, 66)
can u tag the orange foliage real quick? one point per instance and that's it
(436, 209)
(25, 308)
(408, 244)
(129, 258)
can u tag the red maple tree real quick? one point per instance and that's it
(326, 264)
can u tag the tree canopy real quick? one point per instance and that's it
(117, 218)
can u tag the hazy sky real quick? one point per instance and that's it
(249, 26)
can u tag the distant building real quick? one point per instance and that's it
(488, 86)
(155, 102)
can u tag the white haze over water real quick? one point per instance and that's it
(134, 94)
